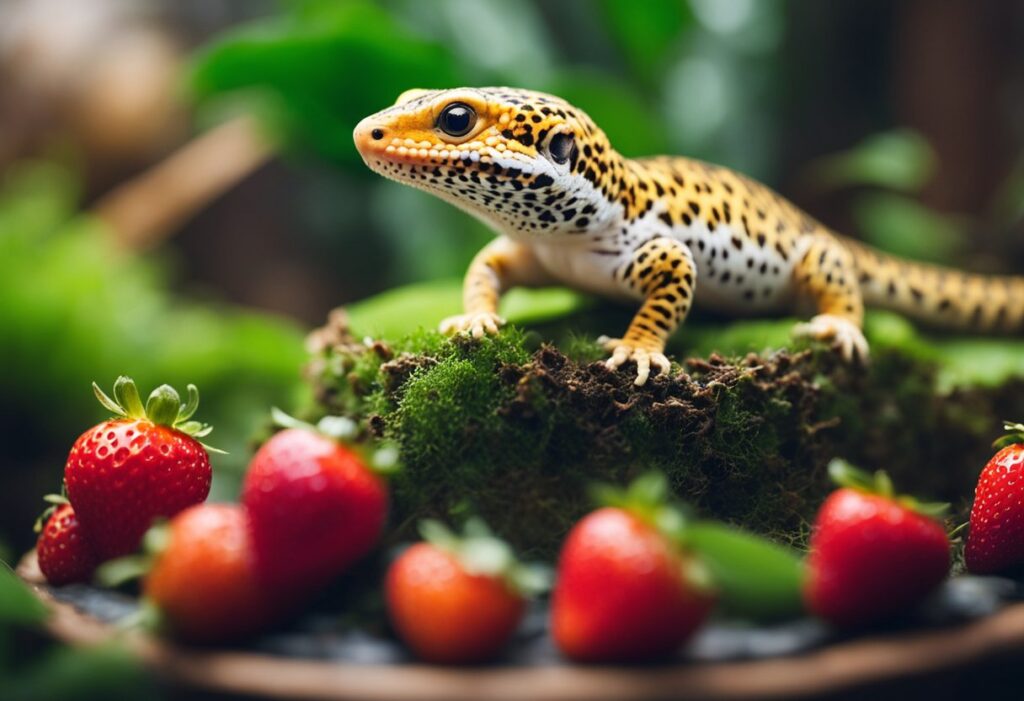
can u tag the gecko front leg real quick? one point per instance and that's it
(662, 271)
(501, 264)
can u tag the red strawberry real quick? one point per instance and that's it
(458, 600)
(625, 590)
(145, 464)
(202, 580)
(314, 508)
(995, 542)
(872, 554)
(65, 556)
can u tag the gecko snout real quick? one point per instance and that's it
(367, 134)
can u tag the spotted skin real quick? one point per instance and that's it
(571, 210)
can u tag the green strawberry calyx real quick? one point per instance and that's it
(481, 553)
(117, 572)
(164, 407)
(880, 484)
(1014, 435)
(382, 458)
(55, 501)
(114, 573)
(648, 498)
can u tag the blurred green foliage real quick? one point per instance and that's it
(898, 160)
(75, 309)
(32, 669)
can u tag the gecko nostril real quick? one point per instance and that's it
(377, 134)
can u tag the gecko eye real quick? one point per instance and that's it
(561, 147)
(456, 119)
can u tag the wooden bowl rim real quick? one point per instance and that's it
(841, 666)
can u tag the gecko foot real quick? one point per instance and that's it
(475, 324)
(624, 351)
(845, 335)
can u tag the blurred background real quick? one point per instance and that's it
(180, 199)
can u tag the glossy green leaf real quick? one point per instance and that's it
(979, 362)
(17, 604)
(401, 311)
(646, 31)
(756, 578)
(99, 673)
(907, 228)
(319, 71)
(899, 160)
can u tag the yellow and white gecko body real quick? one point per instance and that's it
(667, 232)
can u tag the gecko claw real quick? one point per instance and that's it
(846, 337)
(476, 324)
(623, 351)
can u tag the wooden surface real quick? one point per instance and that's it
(835, 668)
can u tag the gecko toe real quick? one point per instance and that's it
(661, 362)
(477, 324)
(845, 336)
(643, 367)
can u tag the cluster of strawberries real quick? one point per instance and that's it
(632, 581)
(310, 507)
(144, 464)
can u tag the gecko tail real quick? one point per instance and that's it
(940, 297)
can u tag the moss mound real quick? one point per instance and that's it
(515, 430)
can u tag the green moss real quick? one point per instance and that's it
(515, 431)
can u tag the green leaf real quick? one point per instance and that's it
(646, 31)
(899, 160)
(17, 604)
(755, 578)
(399, 312)
(108, 671)
(844, 474)
(1008, 203)
(907, 228)
(317, 72)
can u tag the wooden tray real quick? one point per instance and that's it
(843, 666)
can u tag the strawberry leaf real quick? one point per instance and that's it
(189, 408)
(1014, 435)
(127, 396)
(482, 553)
(108, 403)
(880, 484)
(163, 406)
(17, 603)
(647, 498)
(755, 578)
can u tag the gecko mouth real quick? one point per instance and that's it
(373, 143)
(422, 153)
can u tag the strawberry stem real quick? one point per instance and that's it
(1014, 435)
(880, 484)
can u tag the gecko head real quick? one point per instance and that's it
(529, 164)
